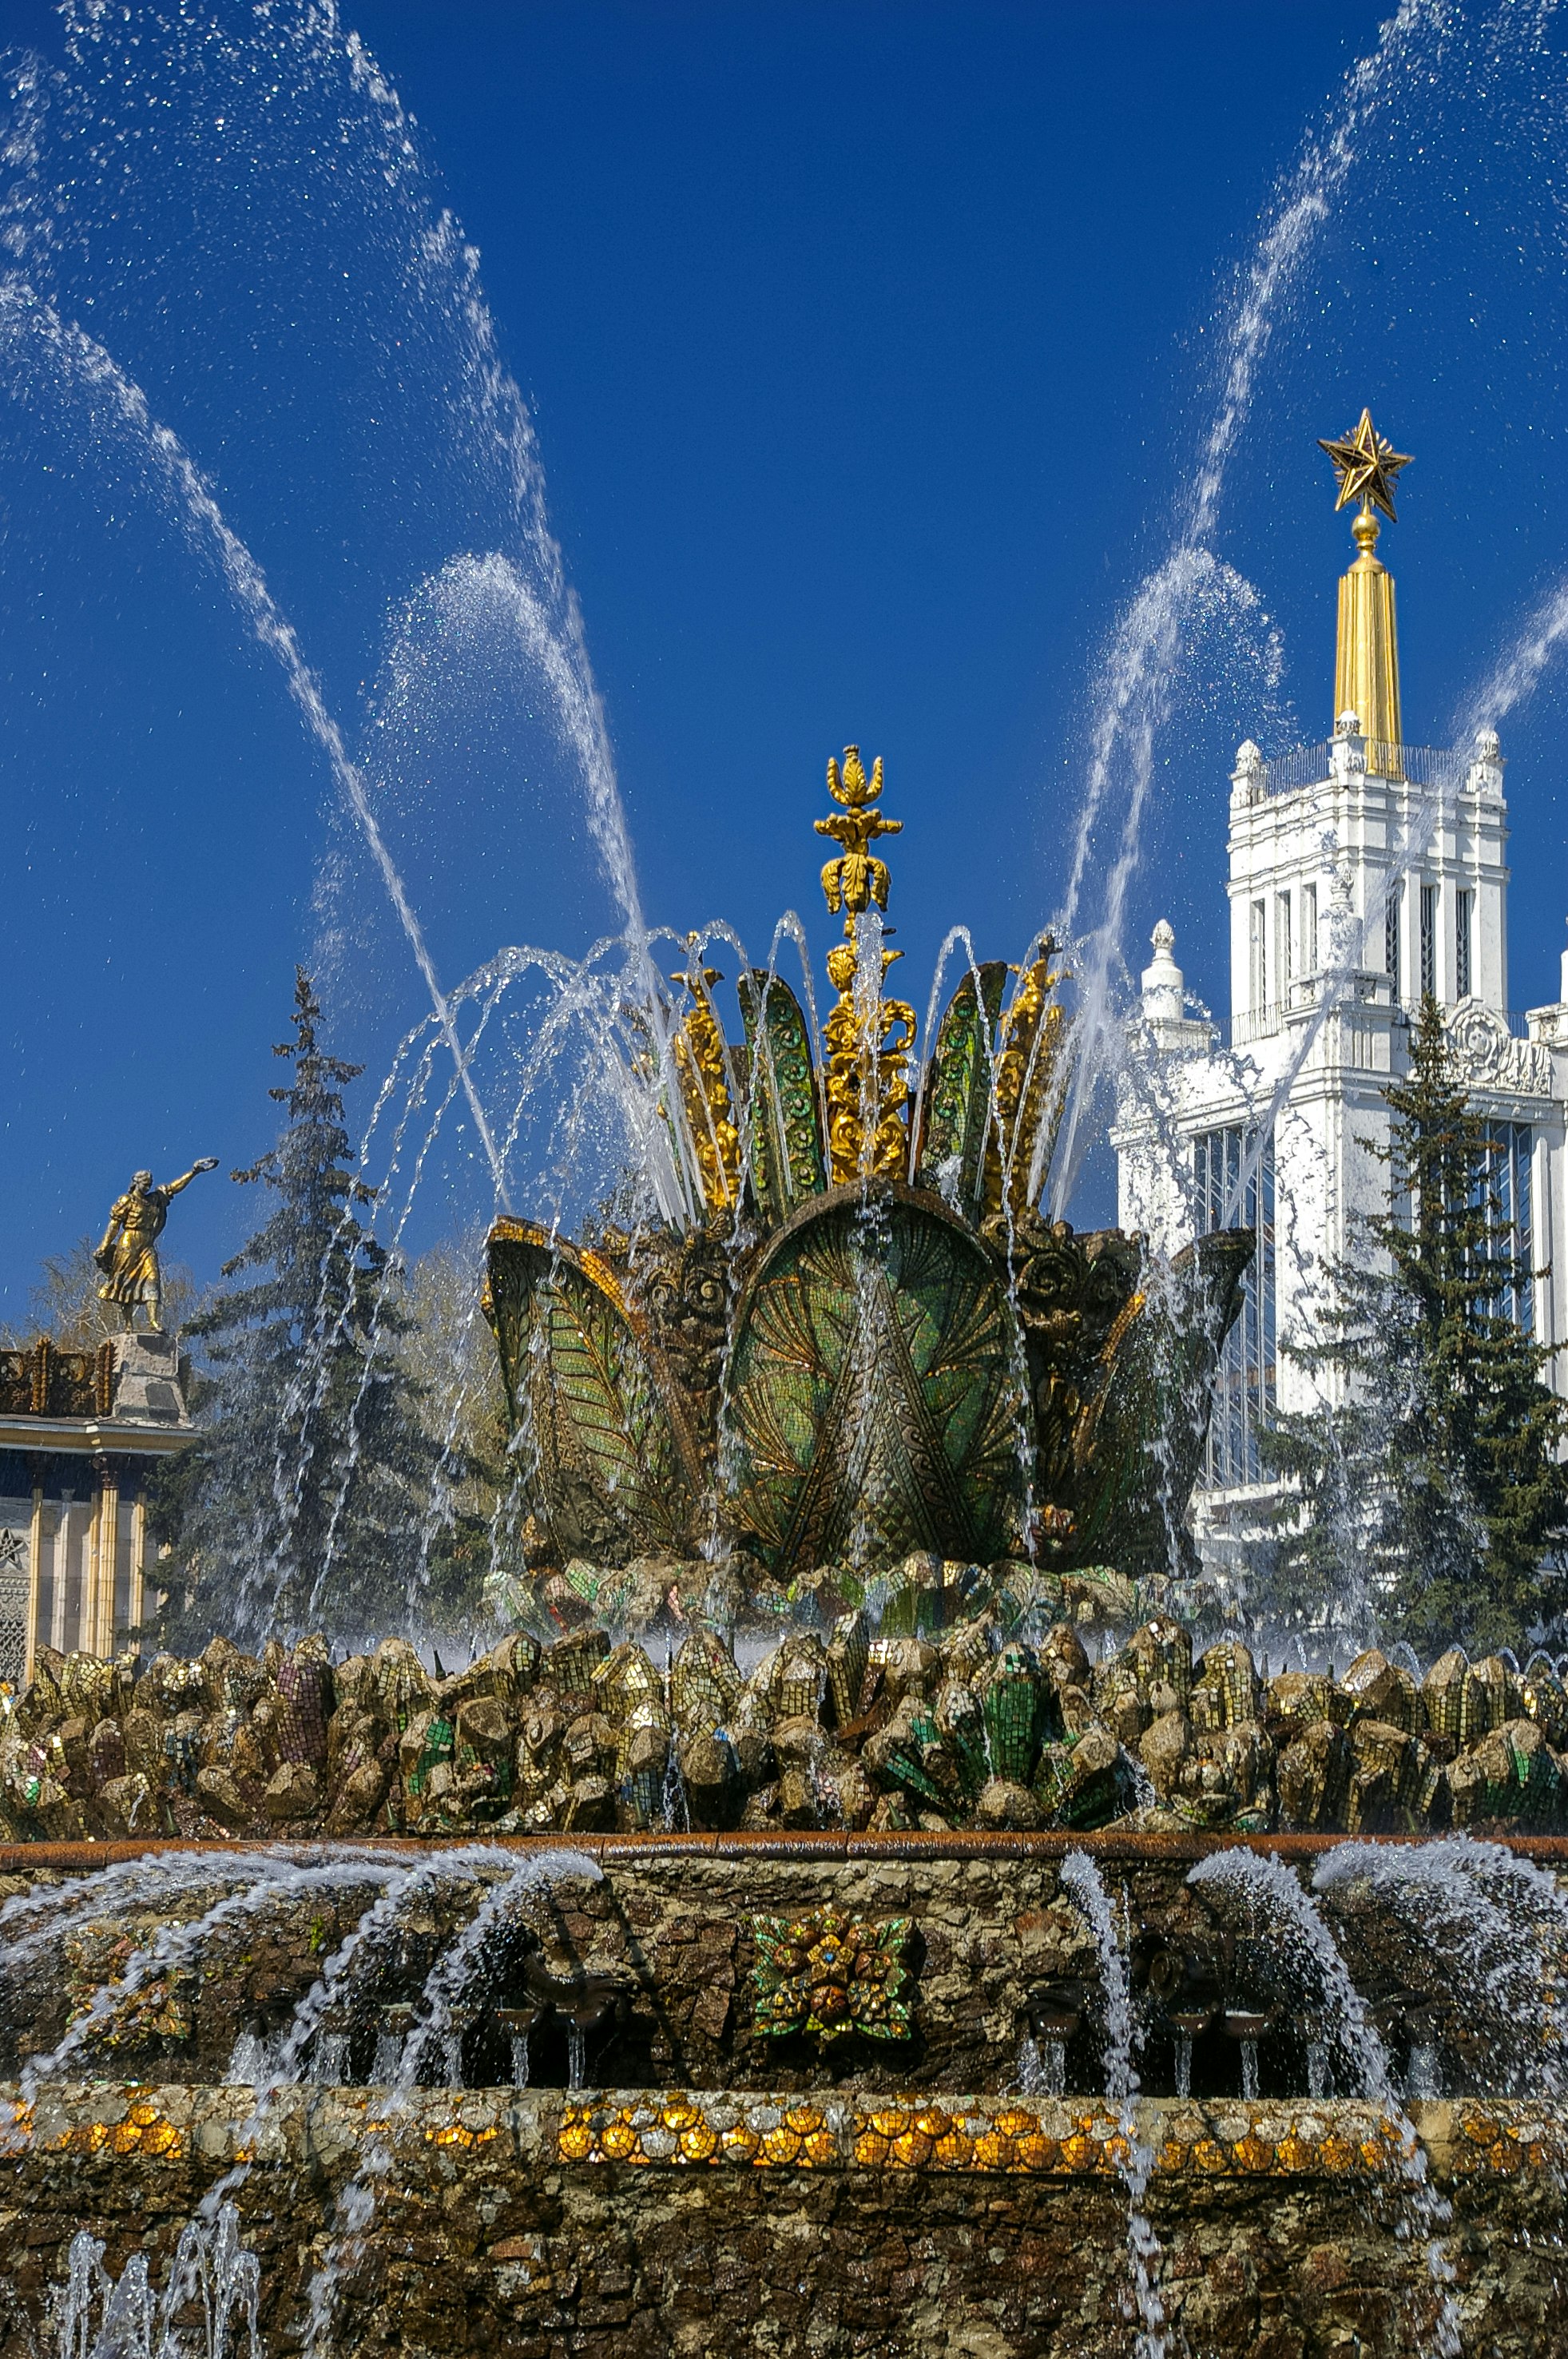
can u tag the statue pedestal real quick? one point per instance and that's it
(148, 1380)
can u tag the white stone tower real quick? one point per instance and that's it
(1363, 872)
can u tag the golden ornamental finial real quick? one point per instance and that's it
(867, 1039)
(852, 785)
(856, 878)
(1366, 660)
(1365, 465)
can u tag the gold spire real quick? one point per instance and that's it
(867, 1039)
(1367, 665)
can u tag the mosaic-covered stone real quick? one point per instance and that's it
(830, 1974)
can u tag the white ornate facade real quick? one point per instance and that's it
(1361, 874)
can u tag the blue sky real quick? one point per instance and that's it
(867, 348)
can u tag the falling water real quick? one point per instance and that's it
(175, 1945)
(210, 104)
(1042, 2066)
(251, 2059)
(520, 2066)
(1498, 1929)
(1081, 1881)
(1266, 1885)
(443, 1993)
(549, 617)
(86, 2281)
(387, 2059)
(1135, 690)
(333, 1987)
(154, 1882)
(1424, 2079)
(586, 1049)
(206, 113)
(88, 365)
(1517, 671)
(673, 1806)
(211, 2273)
(329, 2059)
(488, 599)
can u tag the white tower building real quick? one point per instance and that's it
(1363, 872)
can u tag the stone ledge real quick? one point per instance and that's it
(806, 1847)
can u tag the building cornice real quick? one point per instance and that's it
(90, 1436)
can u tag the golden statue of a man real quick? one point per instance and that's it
(128, 1254)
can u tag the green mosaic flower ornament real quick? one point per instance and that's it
(832, 1974)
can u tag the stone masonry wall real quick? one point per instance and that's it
(497, 2231)
(670, 1925)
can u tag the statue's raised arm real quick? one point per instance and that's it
(173, 1186)
(128, 1253)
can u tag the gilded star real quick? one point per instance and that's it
(1365, 465)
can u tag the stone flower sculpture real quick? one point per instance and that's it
(832, 1974)
(864, 1338)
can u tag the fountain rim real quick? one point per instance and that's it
(805, 1847)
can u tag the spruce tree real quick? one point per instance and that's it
(302, 1507)
(1432, 1492)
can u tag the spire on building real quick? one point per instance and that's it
(1162, 979)
(1164, 989)
(1367, 669)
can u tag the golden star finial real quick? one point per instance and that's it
(1365, 465)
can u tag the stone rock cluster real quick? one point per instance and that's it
(973, 1726)
(657, 1598)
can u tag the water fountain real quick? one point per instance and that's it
(868, 1343)
(848, 1909)
(871, 1841)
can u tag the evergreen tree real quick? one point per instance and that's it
(303, 1505)
(1431, 1499)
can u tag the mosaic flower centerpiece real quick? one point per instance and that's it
(830, 1974)
(873, 1340)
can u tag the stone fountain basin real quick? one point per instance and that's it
(739, 2193)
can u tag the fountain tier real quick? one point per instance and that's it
(722, 2183)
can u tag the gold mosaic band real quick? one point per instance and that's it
(701, 2129)
(914, 2133)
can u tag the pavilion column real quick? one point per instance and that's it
(34, 1563)
(60, 1553)
(98, 1639)
(136, 1605)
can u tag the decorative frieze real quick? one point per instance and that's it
(1489, 1058)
